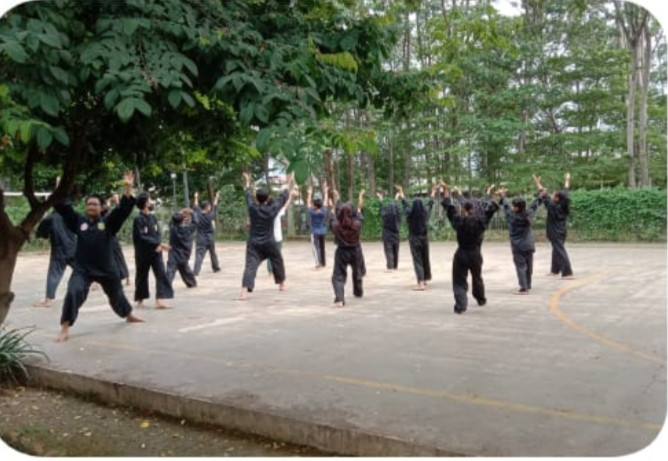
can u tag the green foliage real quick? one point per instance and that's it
(13, 350)
(619, 214)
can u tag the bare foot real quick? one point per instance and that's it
(127, 281)
(338, 304)
(568, 277)
(387, 271)
(140, 305)
(420, 287)
(94, 286)
(131, 318)
(64, 334)
(521, 292)
(551, 274)
(242, 295)
(282, 287)
(43, 303)
(161, 305)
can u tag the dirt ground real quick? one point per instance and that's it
(56, 424)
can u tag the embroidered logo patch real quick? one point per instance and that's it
(84, 226)
(100, 226)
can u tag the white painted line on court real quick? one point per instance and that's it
(215, 323)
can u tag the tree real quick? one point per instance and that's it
(84, 83)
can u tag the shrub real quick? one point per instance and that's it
(13, 349)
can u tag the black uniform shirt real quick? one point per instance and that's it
(146, 233)
(63, 240)
(262, 217)
(95, 238)
(519, 225)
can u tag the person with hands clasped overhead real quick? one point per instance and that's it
(521, 239)
(318, 212)
(94, 256)
(204, 217)
(261, 243)
(558, 208)
(391, 218)
(470, 228)
(417, 218)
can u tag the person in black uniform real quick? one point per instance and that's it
(63, 246)
(347, 229)
(181, 242)
(94, 256)
(123, 270)
(146, 237)
(521, 240)
(261, 243)
(391, 217)
(205, 216)
(558, 209)
(470, 228)
(417, 218)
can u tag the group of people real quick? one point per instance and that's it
(87, 242)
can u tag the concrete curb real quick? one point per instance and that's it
(337, 440)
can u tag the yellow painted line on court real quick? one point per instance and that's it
(560, 315)
(442, 395)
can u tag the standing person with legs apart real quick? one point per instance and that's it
(558, 209)
(278, 232)
(181, 230)
(391, 217)
(417, 218)
(347, 228)
(205, 215)
(63, 246)
(261, 244)
(521, 239)
(147, 239)
(123, 269)
(94, 256)
(470, 228)
(318, 213)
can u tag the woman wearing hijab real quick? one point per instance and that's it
(347, 228)
(417, 218)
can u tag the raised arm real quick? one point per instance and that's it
(118, 215)
(567, 181)
(247, 191)
(360, 201)
(309, 194)
(449, 207)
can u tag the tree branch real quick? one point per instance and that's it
(28, 181)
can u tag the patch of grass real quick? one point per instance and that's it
(13, 349)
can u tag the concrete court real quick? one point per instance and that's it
(577, 368)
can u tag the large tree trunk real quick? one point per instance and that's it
(390, 173)
(630, 116)
(371, 174)
(645, 44)
(11, 241)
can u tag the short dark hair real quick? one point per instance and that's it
(261, 195)
(468, 205)
(177, 218)
(142, 199)
(97, 196)
(203, 204)
(520, 203)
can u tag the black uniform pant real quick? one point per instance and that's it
(269, 268)
(77, 292)
(463, 262)
(55, 274)
(420, 253)
(344, 257)
(391, 247)
(524, 266)
(255, 254)
(179, 263)
(205, 243)
(561, 264)
(318, 243)
(144, 263)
